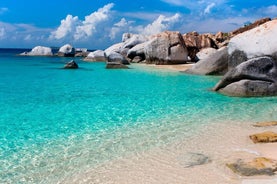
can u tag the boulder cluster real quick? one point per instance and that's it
(246, 57)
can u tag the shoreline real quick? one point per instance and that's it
(173, 68)
(164, 164)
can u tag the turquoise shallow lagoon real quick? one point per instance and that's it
(56, 122)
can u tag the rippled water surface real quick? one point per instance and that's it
(57, 122)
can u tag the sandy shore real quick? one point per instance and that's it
(175, 68)
(222, 143)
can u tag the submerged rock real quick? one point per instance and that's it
(255, 77)
(116, 65)
(265, 124)
(257, 166)
(193, 159)
(265, 137)
(71, 65)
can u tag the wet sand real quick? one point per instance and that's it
(222, 143)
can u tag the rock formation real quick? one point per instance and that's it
(264, 137)
(260, 41)
(137, 52)
(255, 77)
(97, 55)
(116, 61)
(71, 65)
(195, 42)
(214, 64)
(257, 166)
(39, 51)
(67, 51)
(251, 26)
(166, 48)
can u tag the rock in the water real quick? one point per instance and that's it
(116, 65)
(71, 65)
(260, 41)
(257, 166)
(265, 137)
(67, 51)
(193, 159)
(255, 77)
(214, 64)
(137, 51)
(166, 48)
(265, 124)
(39, 51)
(115, 57)
(114, 48)
(97, 55)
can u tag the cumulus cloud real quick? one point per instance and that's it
(119, 27)
(88, 26)
(162, 23)
(67, 27)
(74, 28)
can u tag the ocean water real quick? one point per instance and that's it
(55, 122)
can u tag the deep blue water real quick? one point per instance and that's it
(56, 122)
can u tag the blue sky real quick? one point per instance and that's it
(96, 24)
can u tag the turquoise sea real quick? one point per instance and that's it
(55, 122)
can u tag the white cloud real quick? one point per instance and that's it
(89, 25)
(68, 26)
(3, 10)
(208, 8)
(72, 28)
(119, 27)
(162, 23)
(175, 2)
(2, 33)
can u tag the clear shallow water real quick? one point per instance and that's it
(57, 122)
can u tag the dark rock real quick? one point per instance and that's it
(71, 65)
(116, 65)
(255, 77)
(215, 64)
(257, 166)
(193, 159)
(236, 58)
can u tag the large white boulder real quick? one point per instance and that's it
(166, 48)
(134, 40)
(97, 55)
(114, 48)
(256, 42)
(39, 51)
(66, 50)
